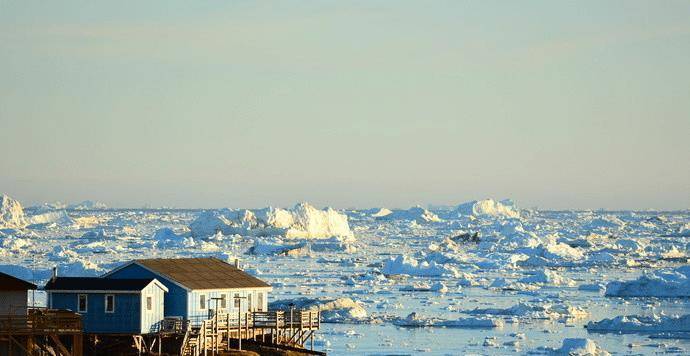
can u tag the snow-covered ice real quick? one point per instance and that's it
(472, 275)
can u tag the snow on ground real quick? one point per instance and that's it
(492, 280)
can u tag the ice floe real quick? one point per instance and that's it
(663, 283)
(415, 320)
(542, 310)
(637, 323)
(579, 347)
(410, 266)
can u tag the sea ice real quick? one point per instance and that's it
(580, 347)
(663, 283)
(412, 267)
(637, 323)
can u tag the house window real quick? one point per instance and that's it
(202, 302)
(260, 302)
(223, 301)
(82, 303)
(109, 303)
(149, 303)
(237, 300)
(249, 301)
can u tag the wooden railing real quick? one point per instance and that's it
(41, 321)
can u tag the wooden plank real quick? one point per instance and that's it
(60, 346)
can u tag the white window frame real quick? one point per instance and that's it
(223, 301)
(105, 306)
(237, 301)
(204, 306)
(86, 303)
(149, 306)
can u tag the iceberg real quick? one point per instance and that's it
(664, 283)
(488, 208)
(302, 221)
(11, 214)
(333, 310)
(412, 267)
(88, 205)
(637, 323)
(415, 320)
(416, 214)
(580, 347)
(58, 217)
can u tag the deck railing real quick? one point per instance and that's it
(41, 321)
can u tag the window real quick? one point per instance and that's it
(83, 303)
(237, 300)
(149, 303)
(109, 303)
(249, 301)
(223, 301)
(260, 302)
(202, 302)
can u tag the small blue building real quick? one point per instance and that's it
(123, 306)
(197, 286)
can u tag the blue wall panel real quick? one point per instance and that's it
(175, 299)
(125, 319)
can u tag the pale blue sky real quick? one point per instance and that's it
(582, 104)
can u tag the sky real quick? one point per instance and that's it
(346, 103)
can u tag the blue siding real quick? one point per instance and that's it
(175, 299)
(125, 319)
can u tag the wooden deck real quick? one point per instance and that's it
(41, 329)
(290, 328)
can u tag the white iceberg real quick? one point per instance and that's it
(333, 310)
(580, 347)
(534, 311)
(547, 277)
(637, 323)
(58, 217)
(489, 208)
(412, 267)
(664, 283)
(416, 320)
(302, 221)
(416, 214)
(11, 214)
(88, 205)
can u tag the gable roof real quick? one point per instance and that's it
(100, 284)
(11, 283)
(202, 273)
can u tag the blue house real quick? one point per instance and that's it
(197, 286)
(124, 306)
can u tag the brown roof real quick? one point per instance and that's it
(202, 273)
(8, 283)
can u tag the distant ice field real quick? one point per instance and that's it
(418, 280)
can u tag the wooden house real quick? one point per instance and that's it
(198, 286)
(122, 306)
(14, 295)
